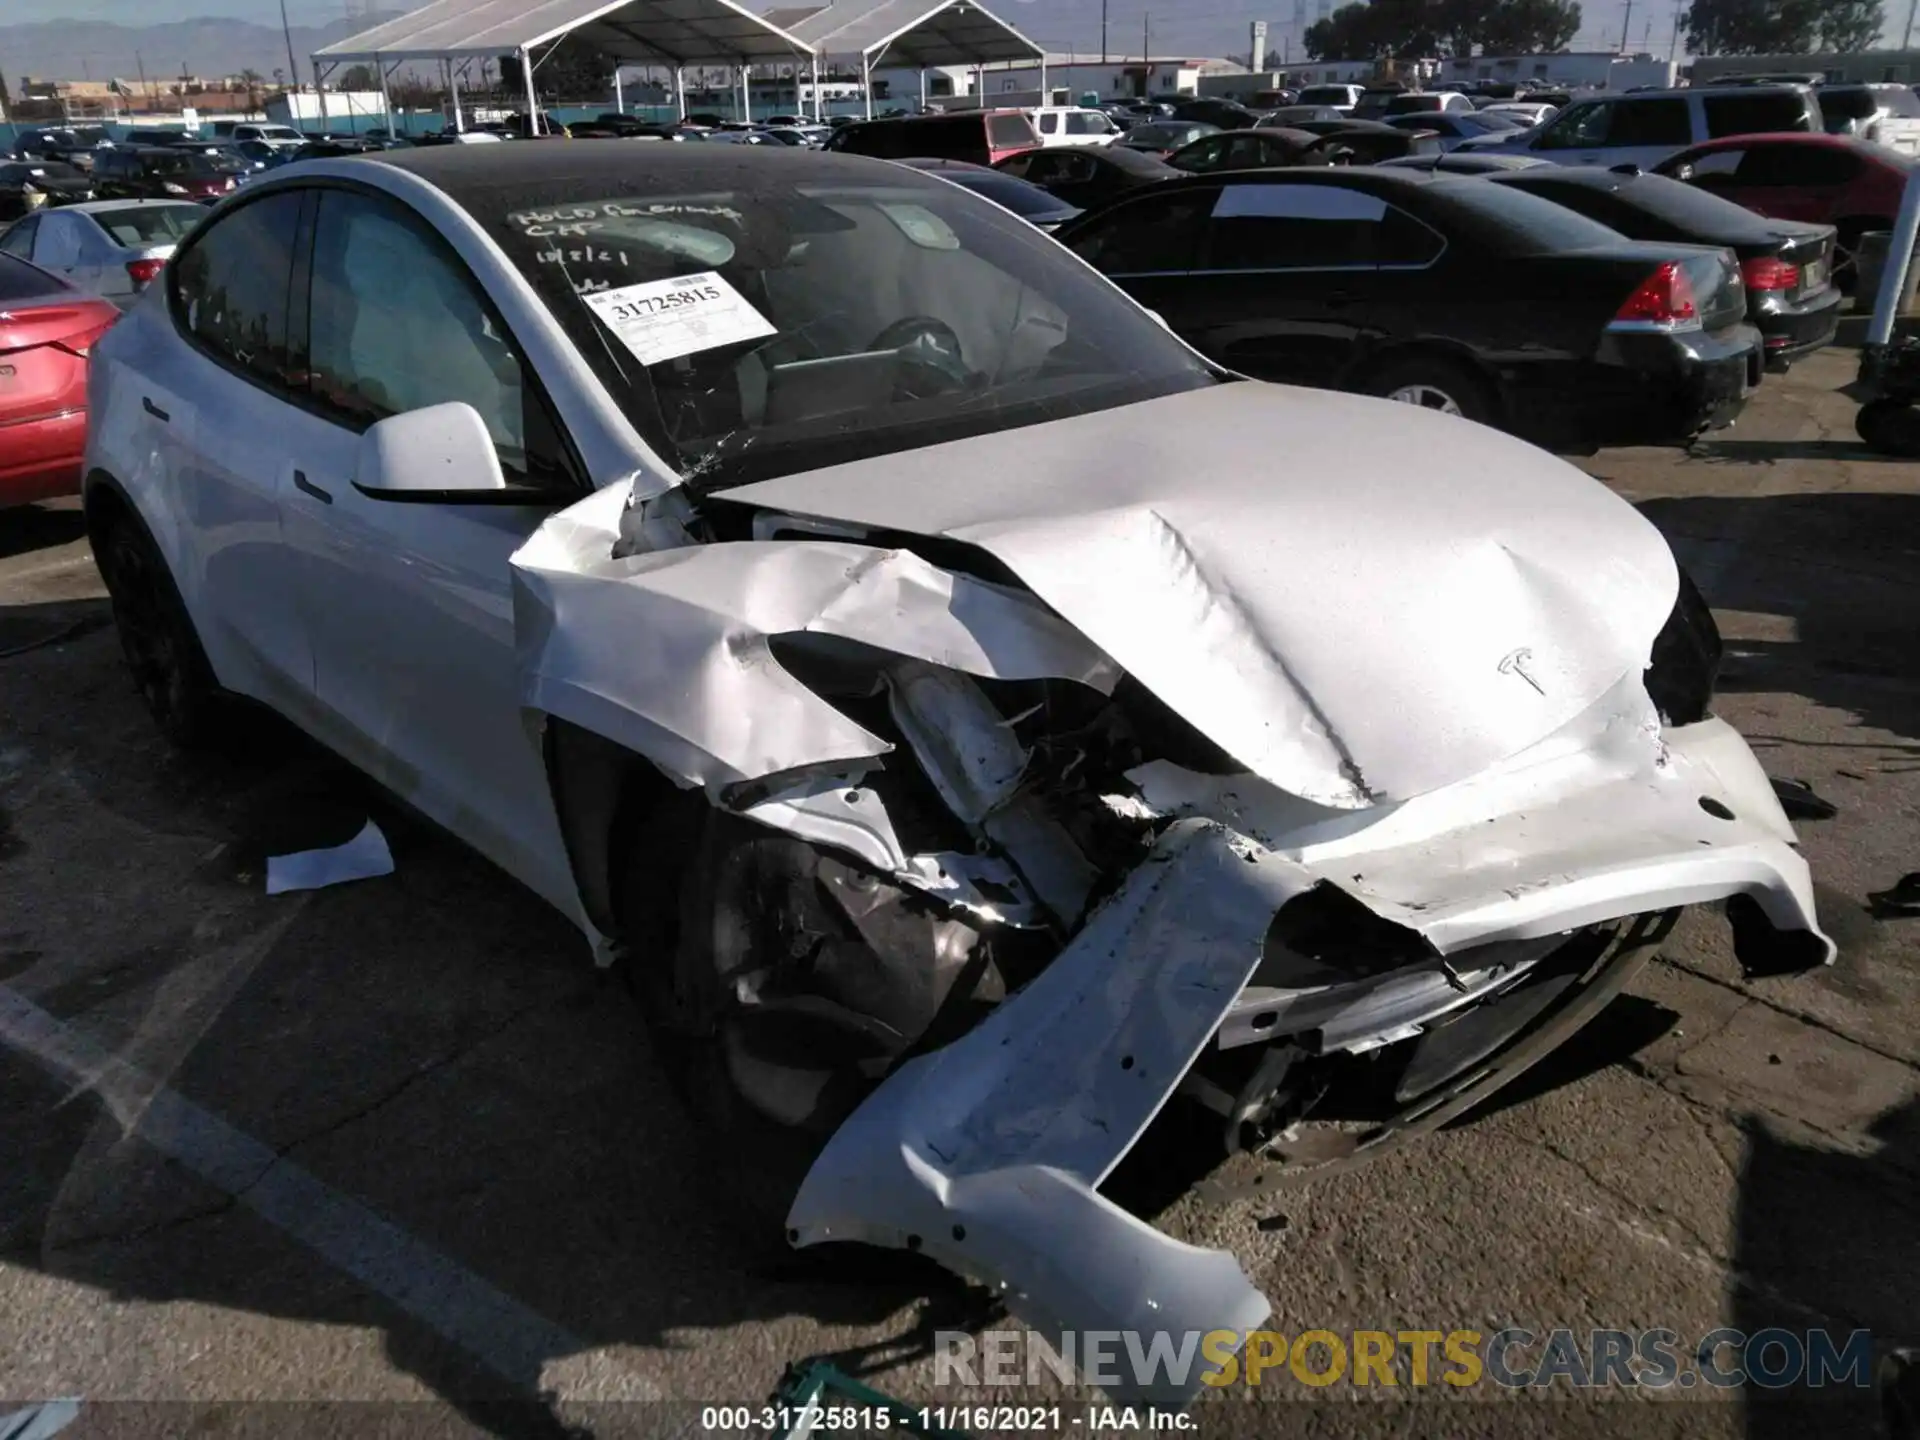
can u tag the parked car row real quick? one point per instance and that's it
(1576, 306)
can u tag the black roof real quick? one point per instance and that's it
(552, 171)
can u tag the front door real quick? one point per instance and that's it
(410, 604)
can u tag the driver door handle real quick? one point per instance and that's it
(307, 487)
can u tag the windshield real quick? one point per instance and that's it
(758, 332)
(148, 224)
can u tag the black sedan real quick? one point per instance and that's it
(1372, 142)
(1256, 150)
(1445, 292)
(1787, 264)
(26, 185)
(1227, 114)
(1466, 162)
(1086, 176)
(1036, 206)
(1163, 137)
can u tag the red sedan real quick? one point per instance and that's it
(46, 329)
(1852, 185)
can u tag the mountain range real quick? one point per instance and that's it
(207, 47)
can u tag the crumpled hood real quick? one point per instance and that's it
(1360, 601)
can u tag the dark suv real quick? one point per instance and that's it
(157, 174)
(980, 137)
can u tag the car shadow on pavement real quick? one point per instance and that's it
(1836, 575)
(432, 1050)
(39, 527)
(1825, 1240)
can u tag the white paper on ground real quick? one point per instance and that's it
(665, 319)
(361, 858)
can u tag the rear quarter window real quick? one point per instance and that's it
(1006, 131)
(1518, 223)
(21, 281)
(1756, 114)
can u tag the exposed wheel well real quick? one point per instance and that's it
(102, 501)
(608, 800)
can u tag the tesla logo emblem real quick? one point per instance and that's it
(1516, 664)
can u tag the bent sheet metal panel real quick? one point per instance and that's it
(1294, 593)
(666, 653)
(988, 1150)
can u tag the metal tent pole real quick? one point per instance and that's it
(1893, 278)
(386, 98)
(680, 89)
(818, 113)
(619, 95)
(319, 91)
(533, 103)
(866, 80)
(453, 89)
(1044, 98)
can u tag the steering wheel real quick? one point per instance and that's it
(931, 362)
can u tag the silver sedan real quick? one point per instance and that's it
(110, 248)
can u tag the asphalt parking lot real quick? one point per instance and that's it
(398, 1142)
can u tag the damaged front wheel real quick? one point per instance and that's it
(780, 985)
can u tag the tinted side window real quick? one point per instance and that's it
(1808, 165)
(18, 240)
(1650, 122)
(1754, 114)
(1155, 234)
(229, 288)
(397, 323)
(1285, 227)
(1006, 131)
(1049, 124)
(1576, 128)
(21, 281)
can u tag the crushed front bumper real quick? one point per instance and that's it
(986, 1154)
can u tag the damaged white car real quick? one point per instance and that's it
(970, 715)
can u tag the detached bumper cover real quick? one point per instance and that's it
(986, 1154)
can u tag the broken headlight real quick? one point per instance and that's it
(1686, 659)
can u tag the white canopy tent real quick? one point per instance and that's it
(906, 33)
(454, 33)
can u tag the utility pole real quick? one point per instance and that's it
(140, 64)
(1103, 32)
(1906, 40)
(1625, 26)
(1673, 45)
(293, 65)
(1146, 54)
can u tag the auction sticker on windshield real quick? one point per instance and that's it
(665, 319)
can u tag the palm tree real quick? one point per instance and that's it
(251, 79)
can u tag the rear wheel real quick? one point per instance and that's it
(168, 666)
(1890, 427)
(1433, 383)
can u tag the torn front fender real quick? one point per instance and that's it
(667, 653)
(986, 1154)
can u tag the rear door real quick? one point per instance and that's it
(223, 418)
(1286, 287)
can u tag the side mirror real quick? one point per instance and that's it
(439, 455)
